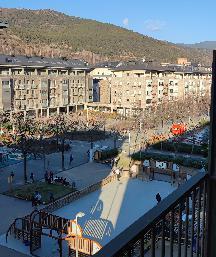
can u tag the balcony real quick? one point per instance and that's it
(184, 223)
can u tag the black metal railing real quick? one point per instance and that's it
(176, 227)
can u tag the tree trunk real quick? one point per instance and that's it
(62, 150)
(25, 167)
(91, 142)
(115, 140)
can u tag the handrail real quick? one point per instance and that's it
(143, 224)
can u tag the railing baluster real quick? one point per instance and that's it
(186, 226)
(198, 223)
(179, 229)
(192, 221)
(163, 239)
(171, 233)
(203, 237)
(153, 241)
(142, 246)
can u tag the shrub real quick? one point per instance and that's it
(109, 154)
(182, 148)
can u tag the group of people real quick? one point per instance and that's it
(61, 180)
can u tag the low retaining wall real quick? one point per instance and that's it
(65, 200)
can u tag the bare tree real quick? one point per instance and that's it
(61, 125)
(24, 137)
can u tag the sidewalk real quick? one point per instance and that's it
(86, 174)
(11, 208)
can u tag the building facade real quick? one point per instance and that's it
(43, 86)
(132, 88)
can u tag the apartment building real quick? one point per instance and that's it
(132, 88)
(43, 86)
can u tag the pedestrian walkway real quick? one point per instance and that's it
(11, 208)
(86, 174)
(6, 252)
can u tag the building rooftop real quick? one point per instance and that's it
(151, 66)
(106, 64)
(39, 61)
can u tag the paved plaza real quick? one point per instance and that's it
(53, 162)
(108, 211)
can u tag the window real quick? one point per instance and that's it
(148, 101)
(128, 74)
(128, 100)
(171, 90)
(5, 83)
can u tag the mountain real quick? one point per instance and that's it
(51, 33)
(211, 45)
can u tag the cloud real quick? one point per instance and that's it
(126, 21)
(154, 25)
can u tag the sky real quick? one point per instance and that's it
(177, 21)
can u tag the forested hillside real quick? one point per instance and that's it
(50, 33)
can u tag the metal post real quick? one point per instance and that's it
(211, 209)
(76, 238)
(87, 117)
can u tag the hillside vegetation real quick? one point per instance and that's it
(50, 33)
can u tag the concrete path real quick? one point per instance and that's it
(86, 174)
(11, 208)
(53, 162)
(6, 252)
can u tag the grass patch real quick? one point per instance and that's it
(26, 191)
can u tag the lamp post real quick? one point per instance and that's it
(79, 215)
(129, 142)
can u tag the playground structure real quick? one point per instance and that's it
(31, 228)
(149, 168)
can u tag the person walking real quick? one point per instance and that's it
(12, 175)
(32, 177)
(71, 159)
(158, 198)
(51, 176)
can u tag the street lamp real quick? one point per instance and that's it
(79, 215)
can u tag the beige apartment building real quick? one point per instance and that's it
(133, 88)
(43, 86)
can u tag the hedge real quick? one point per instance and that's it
(107, 154)
(182, 148)
(187, 162)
